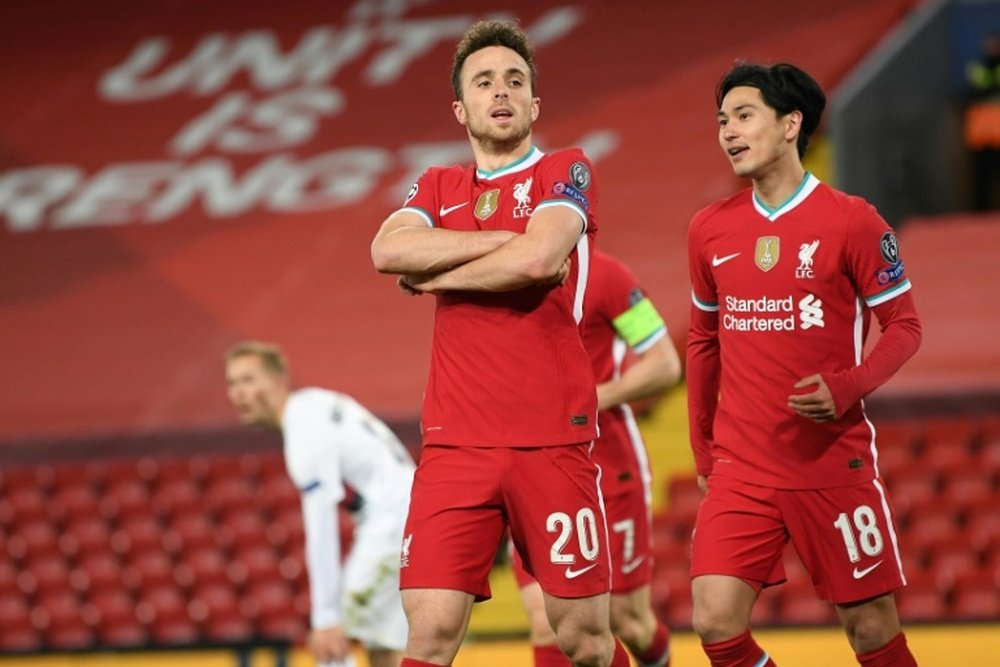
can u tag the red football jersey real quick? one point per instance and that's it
(617, 315)
(792, 288)
(508, 369)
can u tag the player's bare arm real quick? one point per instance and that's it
(537, 257)
(406, 245)
(657, 369)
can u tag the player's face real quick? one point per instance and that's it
(755, 139)
(253, 390)
(497, 106)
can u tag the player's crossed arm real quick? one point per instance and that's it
(407, 245)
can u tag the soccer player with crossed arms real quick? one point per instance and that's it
(510, 409)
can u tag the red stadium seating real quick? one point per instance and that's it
(176, 496)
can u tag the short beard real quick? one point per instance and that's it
(493, 146)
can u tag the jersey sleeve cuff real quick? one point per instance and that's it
(706, 306)
(571, 205)
(888, 294)
(421, 212)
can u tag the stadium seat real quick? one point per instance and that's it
(983, 522)
(161, 604)
(65, 626)
(149, 569)
(92, 534)
(39, 537)
(241, 527)
(8, 577)
(20, 638)
(261, 561)
(228, 493)
(13, 609)
(228, 628)
(114, 607)
(895, 434)
(218, 599)
(128, 633)
(683, 496)
(922, 599)
(799, 604)
(17, 478)
(969, 486)
(277, 493)
(141, 533)
(907, 491)
(291, 521)
(74, 502)
(176, 496)
(103, 571)
(976, 597)
(291, 628)
(204, 565)
(930, 522)
(28, 505)
(193, 531)
(124, 499)
(50, 571)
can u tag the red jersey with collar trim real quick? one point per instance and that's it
(508, 369)
(617, 316)
(791, 289)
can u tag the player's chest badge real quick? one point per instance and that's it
(767, 252)
(487, 204)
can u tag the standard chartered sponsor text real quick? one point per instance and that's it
(733, 321)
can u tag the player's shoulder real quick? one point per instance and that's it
(606, 267)
(447, 175)
(846, 202)
(734, 204)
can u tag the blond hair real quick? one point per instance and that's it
(269, 354)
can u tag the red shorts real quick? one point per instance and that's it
(464, 498)
(628, 534)
(843, 535)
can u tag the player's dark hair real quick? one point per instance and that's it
(491, 33)
(785, 88)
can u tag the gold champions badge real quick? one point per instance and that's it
(487, 204)
(767, 252)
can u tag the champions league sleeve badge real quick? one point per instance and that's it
(411, 194)
(579, 176)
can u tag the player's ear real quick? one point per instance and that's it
(793, 124)
(458, 107)
(536, 102)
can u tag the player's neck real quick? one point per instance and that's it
(492, 156)
(776, 186)
(279, 411)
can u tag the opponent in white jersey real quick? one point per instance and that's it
(330, 441)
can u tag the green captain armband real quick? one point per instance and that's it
(638, 323)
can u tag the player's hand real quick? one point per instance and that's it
(329, 644)
(563, 274)
(703, 483)
(817, 405)
(406, 287)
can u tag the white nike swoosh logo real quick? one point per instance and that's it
(573, 574)
(445, 211)
(858, 574)
(627, 568)
(718, 261)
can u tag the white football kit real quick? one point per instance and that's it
(332, 440)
